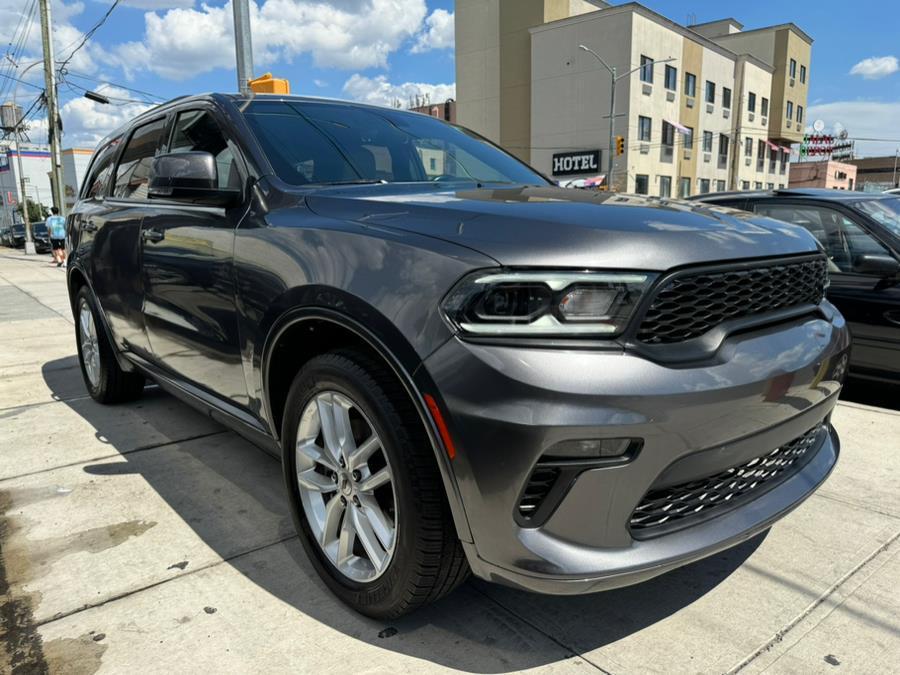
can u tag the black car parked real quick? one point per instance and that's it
(39, 235)
(462, 366)
(860, 233)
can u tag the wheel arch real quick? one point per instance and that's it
(323, 329)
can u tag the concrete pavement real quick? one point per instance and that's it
(146, 538)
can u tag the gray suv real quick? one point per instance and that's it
(462, 366)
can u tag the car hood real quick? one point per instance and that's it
(549, 226)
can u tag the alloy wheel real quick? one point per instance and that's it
(90, 350)
(346, 486)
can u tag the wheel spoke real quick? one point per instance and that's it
(347, 538)
(325, 403)
(333, 511)
(376, 480)
(313, 480)
(310, 452)
(361, 455)
(340, 406)
(368, 539)
(381, 524)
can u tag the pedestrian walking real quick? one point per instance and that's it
(56, 226)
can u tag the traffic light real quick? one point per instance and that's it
(620, 145)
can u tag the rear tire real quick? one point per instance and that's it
(424, 560)
(106, 382)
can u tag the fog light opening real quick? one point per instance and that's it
(592, 448)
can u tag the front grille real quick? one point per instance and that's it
(536, 490)
(692, 303)
(677, 506)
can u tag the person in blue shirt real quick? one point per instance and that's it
(56, 226)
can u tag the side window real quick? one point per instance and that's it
(843, 239)
(133, 172)
(94, 185)
(197, 130)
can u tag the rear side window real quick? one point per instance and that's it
(94, 186)
(198, 131)
(133, 172)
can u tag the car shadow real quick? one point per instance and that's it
(473, 629)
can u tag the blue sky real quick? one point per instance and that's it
(381, 49)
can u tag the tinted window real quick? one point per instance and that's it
(197, 131)
(843, 239)
(94, 185)
(329, 143)
(884, 211)
(133, 172)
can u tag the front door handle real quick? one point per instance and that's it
(152, 234)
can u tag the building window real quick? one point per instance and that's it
(748, 147)
(704, 186)
(761, 155)
(671, 78)
(720, 186)
(710, 92)
(751, 102)
(688, 138)
(726, 98)
(641, 184)
(723, 146)
(432, 162)
(764, 107)
(707, 141)
(745, 185)
(690, 85)
(793, 68)
(803, 74)
(668, 134)
(645, 126)
(790, 110)
(799, 113)
(784, 160)
(757, 185)
(770, 186)
(646, 69)
(665, 186)
(684, 190)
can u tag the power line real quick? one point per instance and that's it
(87, 36)
(20, 81)
(82, 76)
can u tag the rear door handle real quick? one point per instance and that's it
(152, 234)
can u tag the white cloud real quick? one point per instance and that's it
(876, 67)
(348, 34)
(158, 4)
(321, 84)
(86, 122)
(439, 32)
(863, 119)
(378, 91)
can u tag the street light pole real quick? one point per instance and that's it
(242, 44)
(29, 240)
(613, 81)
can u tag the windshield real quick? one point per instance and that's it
(883, 211)
(313, 143)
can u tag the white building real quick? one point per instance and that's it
(36, 167)
(720, 113)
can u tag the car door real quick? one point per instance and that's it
(865, 300)
(107, 221)
(188, 271)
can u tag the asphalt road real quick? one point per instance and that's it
(146, 538)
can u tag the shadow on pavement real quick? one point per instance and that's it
(477, 633)
(878, 394)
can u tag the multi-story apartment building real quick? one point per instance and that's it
(708, 107)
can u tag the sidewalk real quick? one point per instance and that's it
(146, 538)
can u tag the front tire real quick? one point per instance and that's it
(106, 382)
(365, 491)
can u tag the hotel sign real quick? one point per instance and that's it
(571, 163)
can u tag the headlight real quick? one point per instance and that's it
(539, 304)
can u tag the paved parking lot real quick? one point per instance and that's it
(146, 538)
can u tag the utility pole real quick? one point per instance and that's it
(29, 241)
(58, 185)
(242, 45)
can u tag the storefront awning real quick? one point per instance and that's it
(680, 128)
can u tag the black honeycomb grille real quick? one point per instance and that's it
(691, 304)
(682, 505)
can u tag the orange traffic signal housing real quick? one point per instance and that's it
(266, 84)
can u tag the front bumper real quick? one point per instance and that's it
(508, 405)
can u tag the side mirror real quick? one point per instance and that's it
(189, 177)
(876, 265)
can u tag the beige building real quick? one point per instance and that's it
(720, 113)
(823, 174)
